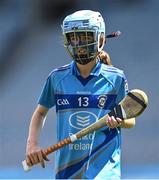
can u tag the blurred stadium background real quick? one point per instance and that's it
(31, 45)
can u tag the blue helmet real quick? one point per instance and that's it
(86, 22)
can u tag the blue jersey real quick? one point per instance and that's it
(80, 102)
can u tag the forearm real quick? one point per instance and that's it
(35, 126)
(34, 154)
(128, 123)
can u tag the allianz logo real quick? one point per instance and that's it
(62, 102)
(82, 119)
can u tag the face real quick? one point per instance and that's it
(82, 44)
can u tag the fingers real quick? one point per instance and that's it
(28, 161)
(41, 160)
(119, 120)
(35, 158)
(44, 156)
(113, 122)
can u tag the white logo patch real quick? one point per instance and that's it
(82, 119)
(61, 102)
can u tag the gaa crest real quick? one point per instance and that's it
(102, 101)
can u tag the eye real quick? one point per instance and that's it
(74, 40)
(90, 39)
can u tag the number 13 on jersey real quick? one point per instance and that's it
(83, 101)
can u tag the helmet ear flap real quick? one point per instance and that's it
(101, 42)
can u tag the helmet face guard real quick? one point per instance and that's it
(82, 31)
(82, 45)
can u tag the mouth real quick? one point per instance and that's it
(81, 51)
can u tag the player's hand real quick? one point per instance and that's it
(113, 122)
(35, 155)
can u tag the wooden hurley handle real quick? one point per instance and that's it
(93, 127)
(57, 146)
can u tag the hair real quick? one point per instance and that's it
(105, 58)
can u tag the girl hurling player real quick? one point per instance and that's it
(82, 92)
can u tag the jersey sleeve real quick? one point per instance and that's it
(47, 97)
